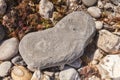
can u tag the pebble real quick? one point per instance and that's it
(108, 6)
(76, 64)
(97, 55)
(2, 33)
(116, 2)
(46, 8)
(89, 2)
(110, 63)
(51, 74)
(108, 42)
(45, 77)
(17, 60)
(36, 75)
(99, 25)
(100, 4)
(94, 12)
(20, 73)
(4, 68)
(69, 74)
(68, 38)
(3, 7)
(9, 48)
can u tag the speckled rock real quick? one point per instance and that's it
(3, 7)
(20, 73)
(4, 68)
(46, 8)
(108, 42)
(8, 48)
(59, 45)
(69, 74)
(2, 33)
(89, 2)
(110, 63)
(94, 12)
(116, 2)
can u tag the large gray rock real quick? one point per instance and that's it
(59, 45)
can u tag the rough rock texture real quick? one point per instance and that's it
(69, 74)
(108, 42)
(8, 48)
(4, 68)
(2, 33)
(111, 66)
(59, 45)
(3, 7)
(89, 2)
(116, 2)
(46, 8)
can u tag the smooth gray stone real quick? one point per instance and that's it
(59, 45)
(2, 33)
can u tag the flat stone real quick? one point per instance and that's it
(8, 48)
(4, 68)
(2, 33)
(110, 64)
(108, 42)
(59, 45)
(69, 74)
(89, 2)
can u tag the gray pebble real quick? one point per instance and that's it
(89, 2)
(8, 48)
(69, 74)
(94, 12)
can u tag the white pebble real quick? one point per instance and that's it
(99, 25)
(94, 12)
(4, 68)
